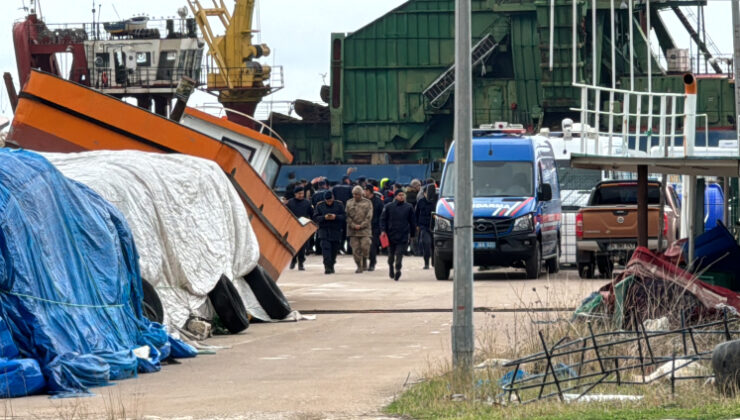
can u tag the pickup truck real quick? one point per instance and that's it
(606, 229)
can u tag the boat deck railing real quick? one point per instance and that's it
(75, 33)
(103, 78)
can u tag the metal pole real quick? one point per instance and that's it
(573, 46)
(642, 206)
(632, 45)
(462, 321)
(594, 61)
(736, 68)
(552, 32)
(736, 59)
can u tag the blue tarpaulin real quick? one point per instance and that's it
(70, 287)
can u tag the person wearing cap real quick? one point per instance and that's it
(374, 198)
(300, 207)
(398, 222)
(330, 216)
(359, 227)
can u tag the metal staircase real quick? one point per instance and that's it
(438, 92)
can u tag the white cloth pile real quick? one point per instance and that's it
(188, 221)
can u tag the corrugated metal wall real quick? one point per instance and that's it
(378, 74)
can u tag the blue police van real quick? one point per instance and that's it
(516, 203)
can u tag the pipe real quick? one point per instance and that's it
(689, 182)
(689, 128)
(594, 61)
(575, 42)
(552, 32)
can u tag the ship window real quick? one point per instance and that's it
(143, 59)
(246, 151)
(166, 65)
(102, 60)
(271, 171)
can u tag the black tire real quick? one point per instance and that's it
(268, 293)
(586, 270)
(229, 306)
(726, 367)
(533, 265)
(442, 269)
(606, 267)
(553, 264)
(151, 305)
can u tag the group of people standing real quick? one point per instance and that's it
(362, 213)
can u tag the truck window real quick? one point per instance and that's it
(622, 194)
(494, 179)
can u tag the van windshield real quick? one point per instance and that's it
(494, 179)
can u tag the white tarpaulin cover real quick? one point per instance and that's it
(188, 221)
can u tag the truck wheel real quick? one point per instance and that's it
(534, 263)
(606, 267)
(229, 306)
(553, 264)
(586, 270)
(151, 304)
(268, 294)
(441, 269)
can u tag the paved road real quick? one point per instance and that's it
(372, 335)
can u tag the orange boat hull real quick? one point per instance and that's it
(55, 115)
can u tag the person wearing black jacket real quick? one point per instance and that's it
(377, 210)
(300, 207)
(398, 222)
(329, 215)
(343, 192)
(424, 208)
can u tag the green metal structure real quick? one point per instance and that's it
(389, 99)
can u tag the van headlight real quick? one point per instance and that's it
(442, 224)
(523, 224)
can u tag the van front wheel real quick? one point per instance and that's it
(442, 269)
(534, 263)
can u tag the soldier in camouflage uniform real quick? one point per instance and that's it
(359, 227)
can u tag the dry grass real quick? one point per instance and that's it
(449, 394)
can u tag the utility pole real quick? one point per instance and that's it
(462, 319)
(736, 58)
(736, 69)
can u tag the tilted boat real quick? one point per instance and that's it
(56, 115)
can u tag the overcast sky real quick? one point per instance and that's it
(298, 31)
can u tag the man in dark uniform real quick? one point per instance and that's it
(398, 222)
(300, 208)
(329, 215)
(377, 210)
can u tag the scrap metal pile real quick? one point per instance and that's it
(662, 323)
(570, 369)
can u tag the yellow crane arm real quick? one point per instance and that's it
(234, 49)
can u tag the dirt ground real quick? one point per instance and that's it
(371, 337)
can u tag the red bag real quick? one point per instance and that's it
(384, 242)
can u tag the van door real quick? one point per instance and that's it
(548, 210)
